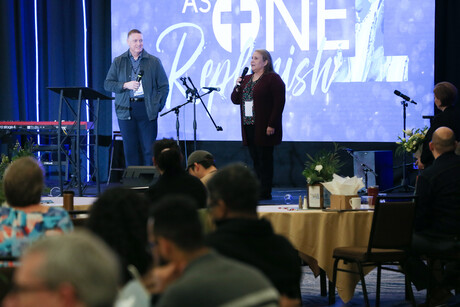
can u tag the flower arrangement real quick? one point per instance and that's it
(413, 140)
(322, 166)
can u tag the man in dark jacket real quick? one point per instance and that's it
(240, 234)
(436, 228)
(438, 187)
(141, 86)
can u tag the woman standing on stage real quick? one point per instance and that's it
(445, 96)
(261, 97)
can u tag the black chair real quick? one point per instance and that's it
(116, 136)
(390, 238)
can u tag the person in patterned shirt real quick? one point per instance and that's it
(25, 220)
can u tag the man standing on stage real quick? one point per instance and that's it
(141, 86)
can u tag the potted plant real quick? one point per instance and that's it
(320, 168)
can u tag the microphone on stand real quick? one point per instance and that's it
(217, 89)
(406, 98)
(245, 71)
(139, 76)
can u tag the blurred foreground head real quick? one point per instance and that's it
(237, 187)
(75, 269)
(119, 218)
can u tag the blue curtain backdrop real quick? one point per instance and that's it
(60, 49)
(60, 31)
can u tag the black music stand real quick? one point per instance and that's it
(79, 93)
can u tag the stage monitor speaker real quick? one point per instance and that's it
(140, 176)
(381, 161)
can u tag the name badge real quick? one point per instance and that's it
(248, 108)
(140, 90)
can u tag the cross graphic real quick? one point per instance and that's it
(243, 17)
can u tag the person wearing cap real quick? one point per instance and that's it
(201, 164)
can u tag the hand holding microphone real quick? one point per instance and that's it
(138, 79)
(134, 85)
(238, 81)
(140, 75)
(131, 85)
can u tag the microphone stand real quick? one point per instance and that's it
(366, 168)
(176, 110)
(195, 96)
(404, 183)
(192, 95)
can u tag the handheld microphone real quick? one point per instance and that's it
(139, 76)
(245, 71)
(217, 89)
(407, 98)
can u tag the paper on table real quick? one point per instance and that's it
(344, 185)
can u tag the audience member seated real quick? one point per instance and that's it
(445, 95)
(201, 164)
(437, 227)
(240, 234)
(25, 220)
(203, 277)
(167, 157)
(75, 269)
(119, 218)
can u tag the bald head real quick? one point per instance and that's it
(443, 140)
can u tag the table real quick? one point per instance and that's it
(316, 233)
(79, 204)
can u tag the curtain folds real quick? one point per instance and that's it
(61, 61)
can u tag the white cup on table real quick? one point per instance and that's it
(355, 202)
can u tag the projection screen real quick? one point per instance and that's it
(341, 61)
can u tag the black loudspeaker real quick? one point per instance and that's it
(140, 176)
(381, 162)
